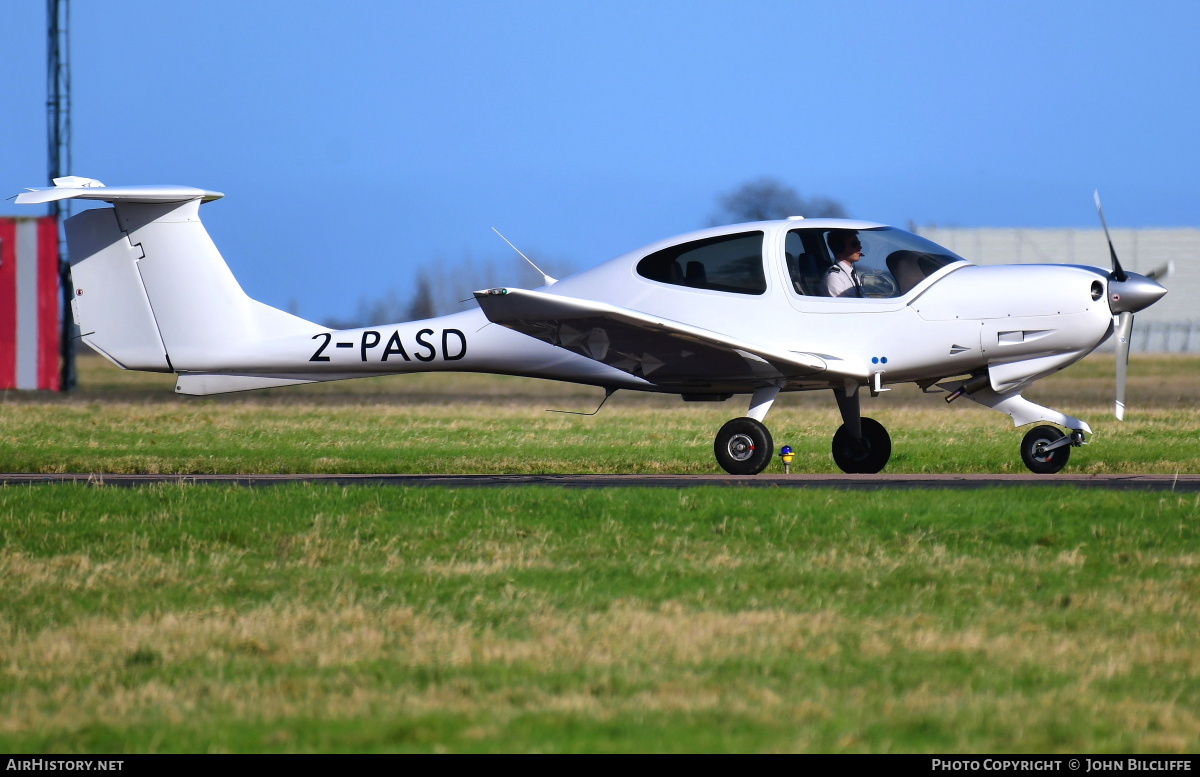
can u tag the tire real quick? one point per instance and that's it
(866, 457)
(744, 447)
(1044, 463)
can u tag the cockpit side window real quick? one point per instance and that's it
(893, 261)
(807, 260)
(732, 263)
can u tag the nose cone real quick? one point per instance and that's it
(1136, 292)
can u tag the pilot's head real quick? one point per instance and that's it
(845, 245)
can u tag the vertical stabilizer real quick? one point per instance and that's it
(152, 291)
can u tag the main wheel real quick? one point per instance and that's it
(1038, 461)
(866, 456)
(744, 447)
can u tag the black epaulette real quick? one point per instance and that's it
(835, 268)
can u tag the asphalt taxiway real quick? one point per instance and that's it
(1179, 483)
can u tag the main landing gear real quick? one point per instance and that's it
(861, 446)
(866, 455)
(744, 447)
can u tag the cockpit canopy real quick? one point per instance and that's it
(894, 261)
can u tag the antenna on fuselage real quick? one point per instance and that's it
(549, 281)
(608, 392)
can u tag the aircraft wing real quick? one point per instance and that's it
(664, 352)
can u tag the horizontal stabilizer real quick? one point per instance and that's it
(83, 189)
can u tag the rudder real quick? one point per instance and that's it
(110, 305)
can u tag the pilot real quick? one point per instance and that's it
(841, 280)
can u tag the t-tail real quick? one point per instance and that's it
(152, 292)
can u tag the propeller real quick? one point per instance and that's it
(1162, 271)
(1124, 332)
(1127, 294)
(1117, 273)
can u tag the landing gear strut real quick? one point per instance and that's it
(861, 446)
(1045, 449)
(744, 446)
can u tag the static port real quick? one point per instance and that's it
(1097, 290)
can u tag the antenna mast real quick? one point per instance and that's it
(58, 137)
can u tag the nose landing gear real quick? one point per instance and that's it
(1046, 450)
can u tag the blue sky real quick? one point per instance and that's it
(359, 141)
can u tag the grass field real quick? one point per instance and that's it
(302, 618)
(132, 422)
(379, 619)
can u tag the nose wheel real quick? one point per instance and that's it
(864, 456)
(1035, 454)
(744, 447)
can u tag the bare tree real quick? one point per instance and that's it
(766, 198)
(421, 306)
(385, 310)
(824, 208)
(445, 286)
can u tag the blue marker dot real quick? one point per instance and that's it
(884, 360)
(874, 360)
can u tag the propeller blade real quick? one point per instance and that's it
(1124, 332)
(1162, 271)
(1117, 273)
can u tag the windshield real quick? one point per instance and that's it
(892, 261)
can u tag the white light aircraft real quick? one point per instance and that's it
(730, 310)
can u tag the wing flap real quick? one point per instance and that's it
(662, 351)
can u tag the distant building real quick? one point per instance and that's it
(1171, 324)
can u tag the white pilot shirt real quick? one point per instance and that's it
(839, 282)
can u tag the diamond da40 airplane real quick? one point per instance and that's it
(730, 310)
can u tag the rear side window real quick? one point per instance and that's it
(725, 263)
